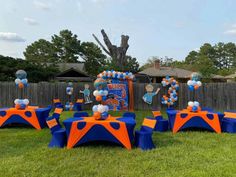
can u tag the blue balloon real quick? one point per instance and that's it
(104, 115)
(191, 87)
(194, 109)
(21, 74)
(104, 98)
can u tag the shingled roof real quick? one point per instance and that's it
(167, 71)
(77, 66)
(160, 71)
(231, 76)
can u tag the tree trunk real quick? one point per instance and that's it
(118, 54)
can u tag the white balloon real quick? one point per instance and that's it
(17, 81)
(199, 83)
(190, 103)
(189, 82)
(16, 101)
(106, 108)
(196, 103)
(95, 92)
(100, 108)
(105, 92)
(95, 108)
(194, 82)
(26, 101)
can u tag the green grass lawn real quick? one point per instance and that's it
(24, 152)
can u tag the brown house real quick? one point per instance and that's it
(158, 72)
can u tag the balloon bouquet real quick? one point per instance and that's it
(193, 84)
(172, 91)
(100, 111)
(21, 82)
(69, 91)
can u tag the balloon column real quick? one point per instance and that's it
(194, 83)
(21, 82)
(69, 91)
(100, 112)
(193, 106)
(172, 91)
(101, 89)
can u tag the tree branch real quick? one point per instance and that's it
(105, 50)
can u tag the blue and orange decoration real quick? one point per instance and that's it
(118, 87)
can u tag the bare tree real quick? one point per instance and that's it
(118, 54)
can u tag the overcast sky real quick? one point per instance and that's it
(156, 27)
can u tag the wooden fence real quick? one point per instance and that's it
(220, 96)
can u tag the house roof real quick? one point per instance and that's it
(231, 76)
(167, 71)
(65, 66)
(73, 75)
(72, 70)
(173, 72)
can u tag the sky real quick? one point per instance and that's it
(160, 28)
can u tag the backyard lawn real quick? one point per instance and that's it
(24, 152)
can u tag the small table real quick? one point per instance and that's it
(114, 129)
(36, 117)
(180, 120)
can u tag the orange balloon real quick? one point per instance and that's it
(189, 108)
(21, 85)
(196, 87)
(199, 108)
(17, 106)
(99, 98)
(97, 115)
